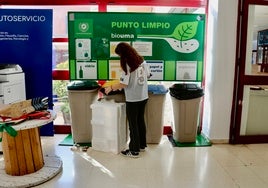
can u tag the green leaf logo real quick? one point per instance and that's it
(185, 30)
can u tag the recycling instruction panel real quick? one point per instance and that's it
(172, 44)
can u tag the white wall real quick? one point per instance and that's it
(220, 66)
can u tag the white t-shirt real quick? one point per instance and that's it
(136, 81)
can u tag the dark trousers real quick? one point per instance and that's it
(137, 127)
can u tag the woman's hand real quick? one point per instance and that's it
(108, 90)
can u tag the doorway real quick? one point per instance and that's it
(249, 116)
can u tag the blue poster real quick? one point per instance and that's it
(26, 40)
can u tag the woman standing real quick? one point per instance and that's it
(134, 83)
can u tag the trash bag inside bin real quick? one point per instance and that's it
(186, 91)
(157, 89)
(83, 85)
(110, 83)
(112, 92)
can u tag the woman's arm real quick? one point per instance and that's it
(114, 87)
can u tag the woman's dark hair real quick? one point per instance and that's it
(128, 56)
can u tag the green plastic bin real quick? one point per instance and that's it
(81, 95)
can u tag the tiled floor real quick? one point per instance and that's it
(161, 166)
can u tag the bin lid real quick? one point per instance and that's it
(83, 85)
(186, 91)
(157, 89)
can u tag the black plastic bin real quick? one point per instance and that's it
(186, 91)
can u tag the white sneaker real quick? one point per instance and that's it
(128, 153)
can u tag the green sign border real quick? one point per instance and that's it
(164, 34)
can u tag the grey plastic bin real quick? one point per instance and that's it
(154, 113)
(81, 95)
(116, 96)
(186, 99)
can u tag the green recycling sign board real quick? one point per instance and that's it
(172, 44)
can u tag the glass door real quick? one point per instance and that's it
(250, 118)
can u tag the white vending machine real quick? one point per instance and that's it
(109, 126)
(12, 85)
